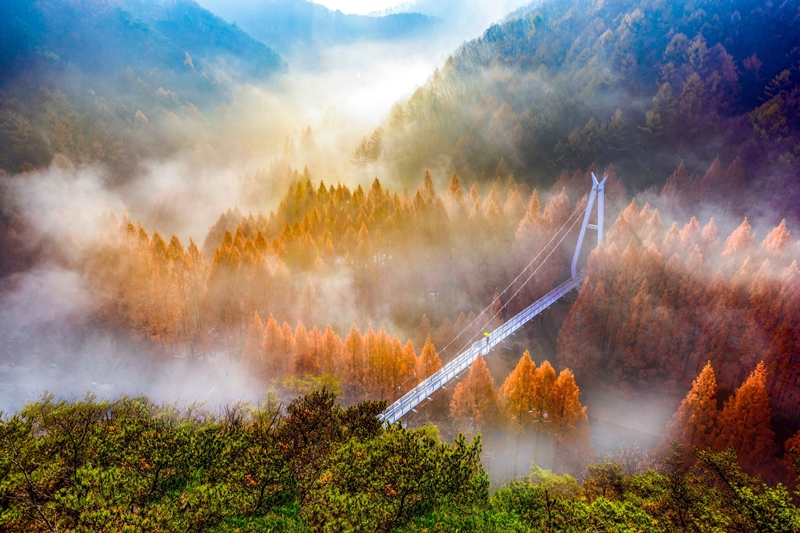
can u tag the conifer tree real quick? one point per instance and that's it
(778, 238)
(303, 360)
(354, 360)
(519, 394)
(740, 240)
(272, 347)
(429, 361)
(474, 401)
(330, 354)
(568, 415)
(745, 421)
(544, 384)
(251, 351)
(694, 425)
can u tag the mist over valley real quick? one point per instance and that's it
(239, 239)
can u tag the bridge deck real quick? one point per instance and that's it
(465, 358)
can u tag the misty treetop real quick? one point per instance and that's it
(658, 303)
(292, 26)
(565, 84)
(369, 254)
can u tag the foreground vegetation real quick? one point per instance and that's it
(129, 465)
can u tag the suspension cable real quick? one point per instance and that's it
(577, 210)
(499, 311)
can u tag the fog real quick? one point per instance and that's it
(50, 341)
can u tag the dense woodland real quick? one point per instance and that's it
(131, 465)
(660, 302)
(119, 82)
(638, 83)
(657, 305)
(263, 289)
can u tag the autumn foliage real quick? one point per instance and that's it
(744, 422)
(530, 398)
(660, 302)
(296, 293)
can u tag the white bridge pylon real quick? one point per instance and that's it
(461, 363)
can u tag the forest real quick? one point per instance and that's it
(207, 305)
(129, 465)
(639, 84)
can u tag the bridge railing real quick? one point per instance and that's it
(465, 358)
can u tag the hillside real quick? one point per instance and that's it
(640, 84)
(132, 465)
(115, 81)
(105, 37)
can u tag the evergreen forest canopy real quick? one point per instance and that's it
(117, 82)
(638, 84)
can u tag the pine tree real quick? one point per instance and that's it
(272, 348)
(303, 359)
(568, 415)
(544, 384)
(570, 422)
(354, 360)
(475, 399)
(740, 240)
(330, 354)
(519, 394)
(409, 365)
(429, 361)
(745, 421)
(778, 238)
(427, 189)
(286, 353)
(694, 425)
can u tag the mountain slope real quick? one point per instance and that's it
(641, 84)
(96, 37)
(116, 81)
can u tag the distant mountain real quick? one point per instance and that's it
(641, 84)
(104, 36)
(289, 25)
(117, 81)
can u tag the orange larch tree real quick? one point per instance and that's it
(543, 387)
(272, 348)
(428, 361)
(570, 422)
(251, 351)
(745, 421)
(518, 393)
(354, 360)
(694, 425)
(475, 401)
(330, 353)
(567, 415)
(303, 357)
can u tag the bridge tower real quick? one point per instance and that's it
(597, 193)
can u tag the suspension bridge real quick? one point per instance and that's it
(464, 359)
